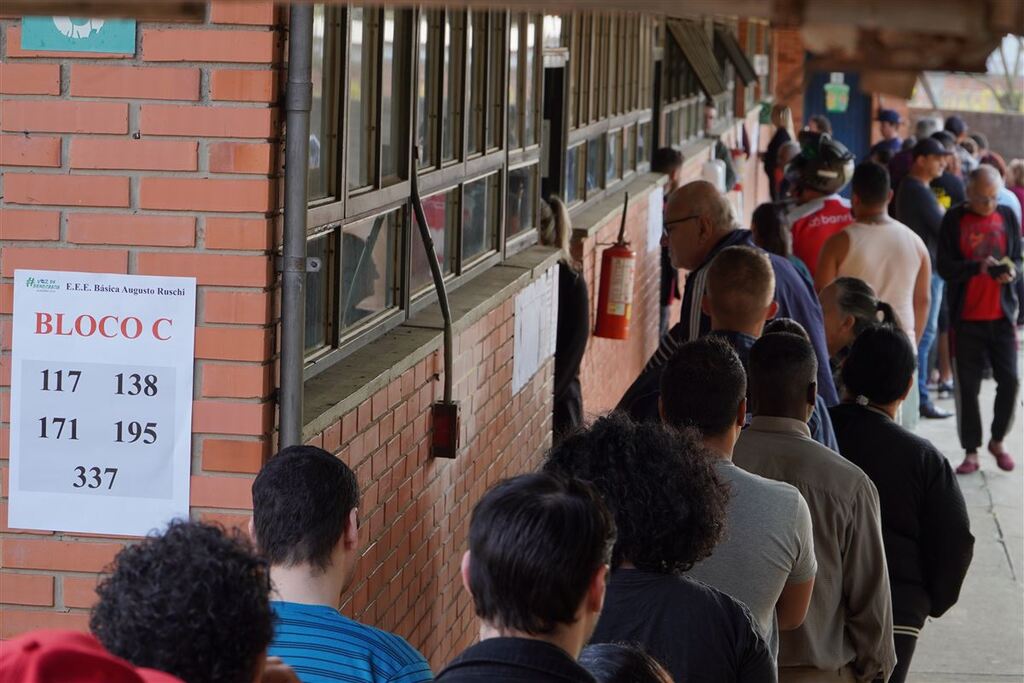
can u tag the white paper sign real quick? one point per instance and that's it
(536, 327)
(101, 401)
(655, 225)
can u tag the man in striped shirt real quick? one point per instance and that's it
(306, 523)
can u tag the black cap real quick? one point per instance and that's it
(956, 125)
(929, 147)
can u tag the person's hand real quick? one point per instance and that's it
(277, 671)
(1006, 278)
(988, 263)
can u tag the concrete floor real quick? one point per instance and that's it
(981, 639)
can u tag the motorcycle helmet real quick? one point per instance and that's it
(823, 165)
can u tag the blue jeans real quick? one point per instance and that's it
(924, 348)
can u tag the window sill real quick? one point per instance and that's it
(590, 218)
(354, 379)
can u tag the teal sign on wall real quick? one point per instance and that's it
(73, 34)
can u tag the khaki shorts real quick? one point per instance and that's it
(806, 674)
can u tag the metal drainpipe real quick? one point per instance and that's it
(298, 101)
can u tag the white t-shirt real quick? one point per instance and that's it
(768, 543)
(887, 255)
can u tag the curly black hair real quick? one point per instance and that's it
(193, 602)
(660, 484)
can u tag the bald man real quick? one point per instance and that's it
(698, 224)
(979, 256)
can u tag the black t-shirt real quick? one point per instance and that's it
(949, 185)
(514, 660)
(700, 634)
(919, 209)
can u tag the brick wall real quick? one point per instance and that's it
(788, 62)
(415, 510)
(160, 163)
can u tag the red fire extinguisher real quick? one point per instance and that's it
(615, 297)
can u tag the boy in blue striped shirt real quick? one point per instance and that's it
(305, 521)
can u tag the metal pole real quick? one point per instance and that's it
(298, 101)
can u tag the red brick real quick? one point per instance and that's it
(80, 591)
(155, 155)
(238, 233)
(14, 49)
(26, 589)
(132, 229)
(239, 85)
(210, 122)
(254, 13)
(221, 492)
(228, 520)
(205, 194)
(28, 150)
(80, 260)
(134, 82)
(240, 157)
(18, 224)
(64, 116)
(14, 622)
(230, 417)
(233, 343)
(208, 269)
(229, 455)
(191, 45)
(65, 190)
(237, 307)
(236, 380)
(75, 556)
(30, 79)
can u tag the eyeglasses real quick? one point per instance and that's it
(666, 229)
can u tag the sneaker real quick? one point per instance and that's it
(933, 412)
(945, 389)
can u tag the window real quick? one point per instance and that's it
(681, 105)
(524, 78)
(613, 158)
(595, 164)
(521, 211)
(439, 103)
(322, 132)
(480, 218)
(575, 166)
(369, 272)
(725, 103)
(442, 213)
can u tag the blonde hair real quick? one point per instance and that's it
(782, 117)
(1015, 173)
(556, 228)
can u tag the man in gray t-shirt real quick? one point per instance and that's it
(766, 558)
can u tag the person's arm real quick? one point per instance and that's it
(922, 294)
(866, 588)
(832, 255)
(950, 261)
(791, 607)
(947, 545)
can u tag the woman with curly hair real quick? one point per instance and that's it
(669, 508)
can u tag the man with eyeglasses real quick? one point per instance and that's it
(979, 256)
(698, 224)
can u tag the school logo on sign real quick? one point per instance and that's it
(75, 34)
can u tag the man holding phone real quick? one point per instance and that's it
(979, 256)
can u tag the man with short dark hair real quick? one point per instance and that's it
(889, 121)
(847, 634)
(919, 209)
(958, 128)
(669, 509)
(539, 548)
(887, 255)
(980, 257)
(949, 187)
(766, 561)
(192, 602)
(306, 523)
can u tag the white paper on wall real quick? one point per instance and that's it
(654, 220)
(536, 327)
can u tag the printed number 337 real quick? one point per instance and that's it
(92, 477)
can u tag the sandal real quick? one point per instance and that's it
(968, 466)
(1003, 459)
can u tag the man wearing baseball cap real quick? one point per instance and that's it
(956, 126)
(889, 126)
(918, 208)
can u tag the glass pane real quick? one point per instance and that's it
(496, 102)
(572, 174)
(368, 272)
(595, 168)
(360, 96)
(479, 217)
(522, 200)
(613, 157)
(552, 31)
(451, 105)
(425, 117)
(320, 147)
(513, 84)
(318, 294)
(441, 212)
(530, 83)
(476, 41)
(629, 151)
(393, 101)
(643, 142)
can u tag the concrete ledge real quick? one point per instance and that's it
(354, 379)
(586, 222)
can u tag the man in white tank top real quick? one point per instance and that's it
(886, 254)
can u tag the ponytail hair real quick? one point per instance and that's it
(556, 228)
(856, 298)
